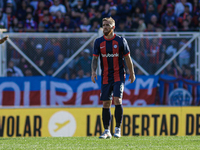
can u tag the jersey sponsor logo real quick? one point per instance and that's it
(102, 47)
(115, 46)
(110, 55)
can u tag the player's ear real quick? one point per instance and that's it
(113, 27)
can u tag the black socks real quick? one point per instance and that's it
(106, 117)
(118, 115)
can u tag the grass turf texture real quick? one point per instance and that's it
(72, 143)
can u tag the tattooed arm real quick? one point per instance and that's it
(130, 67)
(94, 68)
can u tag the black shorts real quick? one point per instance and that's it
(115, 89)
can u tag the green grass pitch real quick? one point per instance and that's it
(85, 143)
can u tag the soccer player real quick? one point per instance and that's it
(3, 39)
(112, 50)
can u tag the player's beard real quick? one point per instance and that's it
(108, 32)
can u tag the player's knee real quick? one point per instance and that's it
(117, 101)
(107, 104)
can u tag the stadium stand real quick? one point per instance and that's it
(85, 16)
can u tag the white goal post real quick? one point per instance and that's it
(2, 54)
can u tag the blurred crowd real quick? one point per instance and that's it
(86, 15)
(51, 53)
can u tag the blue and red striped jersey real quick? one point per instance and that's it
(112, 52)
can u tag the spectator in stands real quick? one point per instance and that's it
(196, 13)
(40, 9)
(28, 72)
(184, 56)
(95, 26)
(150, 28)
(170, 70)
(184, 71)
(43, 13)
(3, 20)
(170, 26)
(84, 62)
(113, 14)
(29, 9)
(97, 17)
(20, 26)
(50, 72)
(185, 26)
(113, 2)
(55, 45)
(135, 22)
(121, 27)
(85, 26)
(38, 55)
(49, 58)
(162, 7)
(48, 25)
(41, 27)
(151, 2)
(10, 16)
(66, 76)
(171, 48)
(184, 16)
(124, 9)
(12, 4)
(98, 4)
(9, 72)
(57, 64)
(140, 59)
(78, 11)
(16, 72)
(68, 25)
(70, 4)
(156, 56)
(188, 73)
(57, 21)
(168, 16)
(24, 65)
(91, 13)
(34, 4)
(30, 24)
(179, 7)
(198, 25)
(1, 4)
(14, 25)
(138, 12)
(154, 21)
(80, 74)
(150, 12)
(21, 13)
(129, 23)
(73, 75)
(142, 5)
(57, 7)
(141, 25)
(106, 11)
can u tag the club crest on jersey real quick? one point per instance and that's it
(115, 46)
(110, 55)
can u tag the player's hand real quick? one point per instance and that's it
(132, 77)
(3, 39)
(94, 75)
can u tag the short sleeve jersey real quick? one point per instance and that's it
(111, 52)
